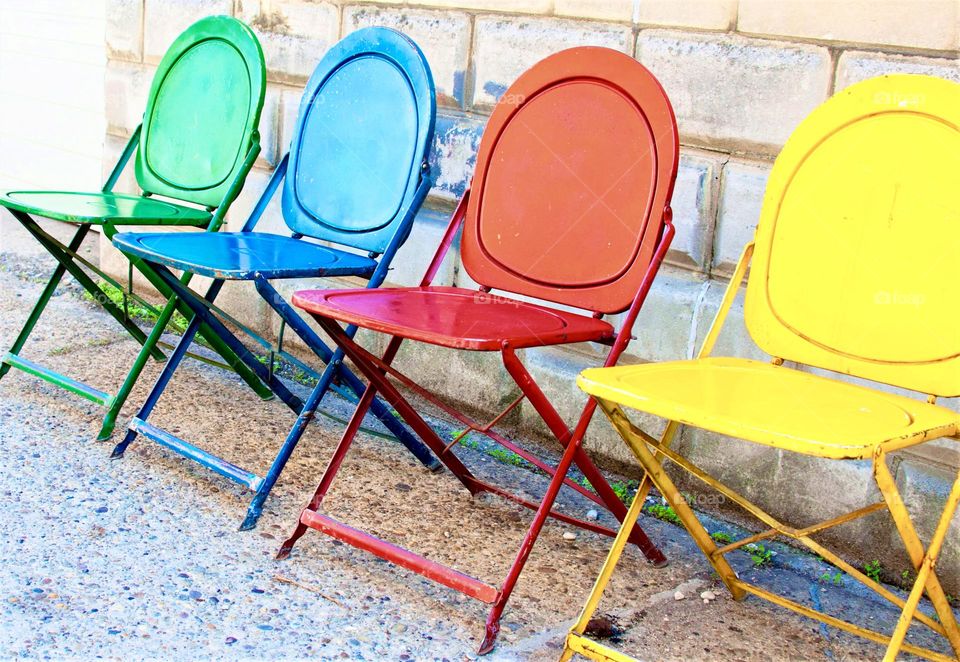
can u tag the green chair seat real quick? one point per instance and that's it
(101, 208)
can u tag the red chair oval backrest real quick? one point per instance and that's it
(574, 172)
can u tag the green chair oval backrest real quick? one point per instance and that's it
(202, 113)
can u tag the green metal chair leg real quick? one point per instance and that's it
(44, 299)
(57, 251)
(215, 342)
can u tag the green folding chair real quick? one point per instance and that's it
(197, 142)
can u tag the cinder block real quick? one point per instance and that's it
(736, 93)
(698, 14)
(666, 326)
(694, 209)
(443, 36)
(253, 188)
(289, 112)
(519, 6)
(294, 35)
(475, 382)
(855, 66)
(112, 149)
(603, 10)
(741, 199)
(126, 88)
(166, 19)
(734, 340)
(412, 259)
(912, 23)
(270, 128)
(555, 370)
(924, 488)
(506, 46)
(454, 155)
(124, 29)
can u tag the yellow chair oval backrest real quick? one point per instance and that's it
(857, 260)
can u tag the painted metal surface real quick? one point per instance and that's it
(863, 184)
(110, 211)
(868, 199)
(352, 118)
(451, 317)
(480, 321)
(213, 70)
(102, 208)
(581, 231)
(241, 255)
(366, 122)
(759, 401)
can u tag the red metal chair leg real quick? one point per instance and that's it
(572, 441)
(572, 453)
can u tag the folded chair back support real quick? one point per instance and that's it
(855, 198)
(204, 107)
(197, 142)
(355, 176)
(572, 178)
(346, 183)
(570, 205)
(852, 271)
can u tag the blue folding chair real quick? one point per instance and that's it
(356, 175)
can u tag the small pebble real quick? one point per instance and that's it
(679, 595)
(569, 535)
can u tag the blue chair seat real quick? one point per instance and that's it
(242, 255)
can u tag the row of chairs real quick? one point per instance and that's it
(568, 218)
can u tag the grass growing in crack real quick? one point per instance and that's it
(502, 455)
(873, 570)
(721, 538)
(836, 578)
(760, 556)
(663, 512)
(135, 309)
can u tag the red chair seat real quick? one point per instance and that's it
(454, 317)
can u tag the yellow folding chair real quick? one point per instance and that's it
(854, 271)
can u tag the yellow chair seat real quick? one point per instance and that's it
(773, 405)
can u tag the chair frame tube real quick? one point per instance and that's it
(650, 453)
(305, 410)
(378, 372)
(65, 255)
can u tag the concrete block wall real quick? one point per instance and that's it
(741, 74)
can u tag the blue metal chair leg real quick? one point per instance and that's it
(173, 362)
(334, 361)
(293, 438)
(230, 340)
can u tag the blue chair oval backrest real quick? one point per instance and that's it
(202, 113)
(363, 134)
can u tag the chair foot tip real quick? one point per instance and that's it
(116, 455)
(248, 524)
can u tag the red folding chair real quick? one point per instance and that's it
(570, 205)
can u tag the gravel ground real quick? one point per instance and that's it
(141, 558)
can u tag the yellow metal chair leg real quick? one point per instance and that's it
(637, 442)
(923, 561)
(574, 642)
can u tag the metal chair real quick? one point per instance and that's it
(355, 176)
(197, 142)
(570, 204)
(853, 272)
